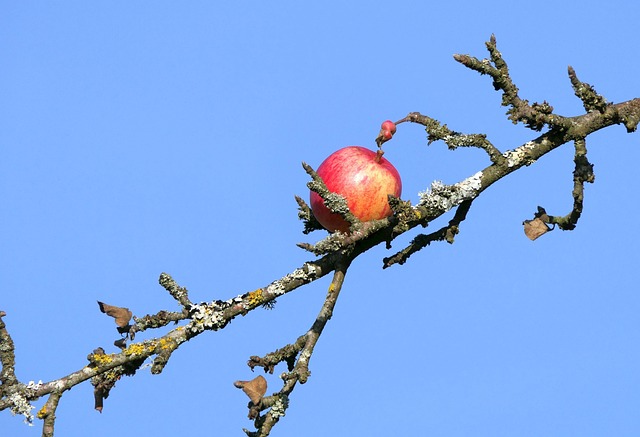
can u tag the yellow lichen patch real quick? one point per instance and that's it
(113, 375)
(332, 287)
(135, 349)
(166, 344)
(102, 358)
(255, 298)
(42, 413)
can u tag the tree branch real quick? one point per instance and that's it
(446, 233)
(582, 173)
(302, 349)
(337, 251)
(334, 202)
(7, 358)
(452, 139)
(534, 116)
(591, 100)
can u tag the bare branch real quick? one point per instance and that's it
(338, 250)
(534, 116)
(48, 414)
(335, 202)
(446, 233)
(305, 214)
(452, 139)
(582, 173)
(303, 348)
(7, 358)
(178, 293)
(591, 100)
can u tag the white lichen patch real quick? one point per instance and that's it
(435, 197)
(312, 270)
(297, 274)
(280, 406)
(32, 385)
(278, 287)
(305, 356)
(520, 155)
(470, 187)
(441, 197)
(205, 317)
(20, 405)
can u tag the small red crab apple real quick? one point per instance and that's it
(364, 178)
(389, 126)
(387, 130)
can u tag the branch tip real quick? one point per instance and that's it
(336, 203)
(591, 100)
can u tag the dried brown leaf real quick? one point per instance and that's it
(98, 397)
(121, 343)
(255, 389)
(121, 315)
(535, 228)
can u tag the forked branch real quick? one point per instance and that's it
(297, 356)
(335, 253)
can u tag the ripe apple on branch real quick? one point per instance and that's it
(363, 178)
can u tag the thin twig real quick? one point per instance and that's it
(446, 233)
(306, 215)
(7, 358)
(583, 172)
(534, 116)
(336, 203)
(279, 402)
(177, 292)
(48, 414)
(437, 131)
(591, 100)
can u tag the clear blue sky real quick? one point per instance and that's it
(137, 138)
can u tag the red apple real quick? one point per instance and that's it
(364, 179)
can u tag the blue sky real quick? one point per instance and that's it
(139, 138)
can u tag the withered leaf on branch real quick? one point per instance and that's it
(98, 397)
(121, 315)
(255, 389)
(121, 343)
(535, 228)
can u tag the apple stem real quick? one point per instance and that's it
(379, 154)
